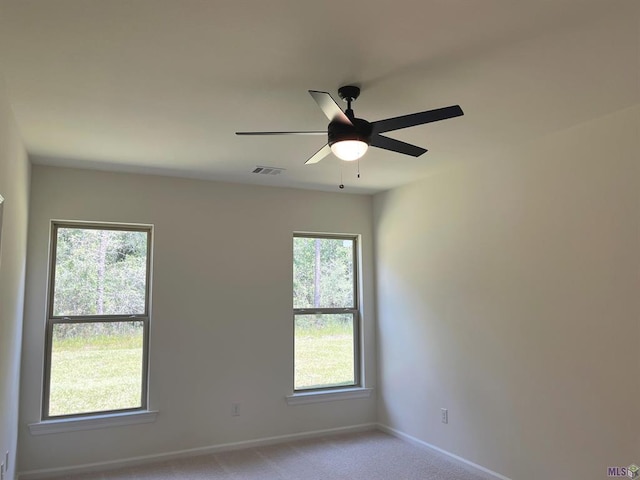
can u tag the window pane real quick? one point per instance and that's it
(96, 367)
(324, 351)
(323, 273)
(1, 210)
(100, 272)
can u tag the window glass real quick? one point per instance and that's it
(96, 367)
(1, 211)
(323, 273)
(324, 350)
(100, 272)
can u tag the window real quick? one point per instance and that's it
(325, 312)
(98, 319)
(1, 210)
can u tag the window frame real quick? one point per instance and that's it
(52, 320)
(354, 310)
(1, 220)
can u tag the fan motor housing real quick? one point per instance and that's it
(360, 130)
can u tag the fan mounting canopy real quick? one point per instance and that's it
(349, 93)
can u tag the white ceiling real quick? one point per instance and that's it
(160, 86)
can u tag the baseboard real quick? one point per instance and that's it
(192, 452)
(421, 443)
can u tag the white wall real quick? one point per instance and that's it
(508, 292)
(222, 309)
(14, 188)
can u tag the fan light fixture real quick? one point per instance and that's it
(349, 150)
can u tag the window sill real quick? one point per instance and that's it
(93, 422)
(303, 398)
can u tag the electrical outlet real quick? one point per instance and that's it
(444, 415)
(235, 409)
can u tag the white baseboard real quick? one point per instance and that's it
(192, 452)
(421, 443)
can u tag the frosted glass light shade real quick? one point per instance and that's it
(349, 150)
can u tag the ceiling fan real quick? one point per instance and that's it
(349, 137)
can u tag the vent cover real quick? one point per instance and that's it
(268, 170)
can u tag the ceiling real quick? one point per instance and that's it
(160, 86)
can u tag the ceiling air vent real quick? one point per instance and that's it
(268, 170)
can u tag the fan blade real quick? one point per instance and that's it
(394, 145)
(319, 155)
(329, 106)
(414, 119)
(315, 132)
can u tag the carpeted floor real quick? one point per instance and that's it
(371, 455)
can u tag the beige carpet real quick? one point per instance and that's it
(369, 455)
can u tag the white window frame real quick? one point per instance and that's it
(354, 310)
(53, 320)
(1, 217)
